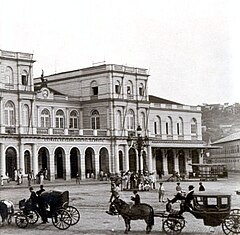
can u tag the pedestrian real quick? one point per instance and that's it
(161, 192)
(1, 180)
(15, 173)
(115, 191)
(201, 187)
(136, 198)
(29, 177)
(178, 188)
(41, 178)
(77, 179)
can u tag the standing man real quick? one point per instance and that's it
(161, 192)
(201, 187)
(77, 179)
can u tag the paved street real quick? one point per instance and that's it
(91, 198)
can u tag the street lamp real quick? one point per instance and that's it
(138, 144)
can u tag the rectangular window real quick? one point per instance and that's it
(167, 131)
(95, 90)
(141, 93)
(178, 129)
(155, 128)
(117, 89)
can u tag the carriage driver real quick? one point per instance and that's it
(187, 200)
(136, 198)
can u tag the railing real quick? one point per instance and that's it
(10, 130)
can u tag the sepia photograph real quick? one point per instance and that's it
(119, 117)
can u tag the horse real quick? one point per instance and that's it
(6, 210)
(142, 211)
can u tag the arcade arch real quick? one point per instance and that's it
(104, 160)
(11, 162)
(90, 170)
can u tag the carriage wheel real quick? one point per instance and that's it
(235, 212)
(32, 217)
(61, 219)
(231, 224)
(21, 220)
(173, 226)
(74, 213)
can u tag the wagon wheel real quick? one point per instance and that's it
(61, 219)
(32, 217)
(21, 220)
(74, 213)
(173, 226)
(235, 211)
(231, 224)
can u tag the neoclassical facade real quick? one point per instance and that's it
(79, 122)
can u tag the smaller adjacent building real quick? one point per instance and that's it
(229, 153)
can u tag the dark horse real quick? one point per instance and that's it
(6, 210)
(135, 212)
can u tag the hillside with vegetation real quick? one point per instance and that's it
(218, 123)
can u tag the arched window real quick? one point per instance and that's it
(194, 126)
(45, 118)
(9, 114)
(130, 120)
(25, 113)
(59, 119)
(95, 119)
(179, 126)
(24, 77)
(169, 126)
(118, 120)
(94, 88)
(9, 76)
(73, 122)
(117, 87)
(157, 126)
(130, 90)
(141, 90)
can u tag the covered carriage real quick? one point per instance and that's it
(62, 215)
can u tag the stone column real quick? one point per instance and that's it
(67, 167)
(21, 158)
(165, 166)
(150, 160)
(96, 165)
(3, 160)
(52, 166)
(126, 157)
(83, 169)
(176, 160)
(2, 128)
(116, 159)
(34, 159)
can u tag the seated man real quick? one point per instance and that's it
(187, 200)
(136, 198)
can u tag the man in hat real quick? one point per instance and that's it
(188, 199)
(136, 198)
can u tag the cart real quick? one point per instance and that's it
(62, 215)
(214, 209)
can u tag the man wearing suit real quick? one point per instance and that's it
(188, 199)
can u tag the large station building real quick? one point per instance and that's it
(79, 122)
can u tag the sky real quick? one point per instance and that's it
(190, 47)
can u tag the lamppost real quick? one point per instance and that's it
(138, 144)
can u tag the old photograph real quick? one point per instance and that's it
(119, 117)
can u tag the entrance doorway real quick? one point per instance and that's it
(132, 160)
(74, 162)
(59, 166)
(170, 161)
(11, 162)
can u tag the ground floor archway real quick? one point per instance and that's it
(11, 162)
(59, 163)
(170, 161)
(75, 163)
(104, 160)
(159, 162)
(181, 162)
(90, 170)
(132, 160)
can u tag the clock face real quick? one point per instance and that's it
(45, 93)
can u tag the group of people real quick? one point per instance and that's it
(38, 203)
(179, 191)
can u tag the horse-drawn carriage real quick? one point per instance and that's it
(62, 215)
(214, 209)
